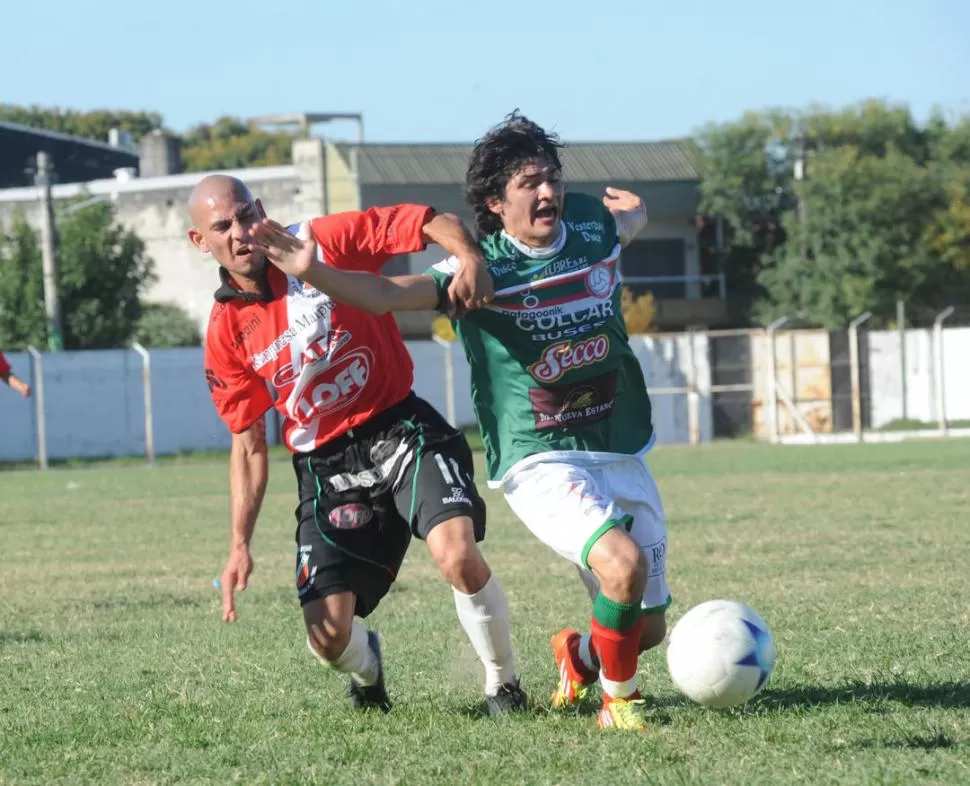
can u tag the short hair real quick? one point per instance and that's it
(497, 156)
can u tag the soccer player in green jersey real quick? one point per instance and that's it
(558, 392)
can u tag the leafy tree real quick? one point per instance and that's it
(886, 204)
(91, 125)
(230, 143)
(166, 325)
(22, 316)
(101, 267)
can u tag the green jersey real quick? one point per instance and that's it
(552, 371)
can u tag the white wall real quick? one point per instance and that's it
(886, 375)
(94, 401)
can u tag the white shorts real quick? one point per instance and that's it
(568, 505)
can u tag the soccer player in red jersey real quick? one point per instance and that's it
(375, 464)
(7, 375)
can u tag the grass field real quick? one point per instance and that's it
(115, 668)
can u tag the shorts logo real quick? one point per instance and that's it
(599, 281)
(565, 356)
(458, 497)
(351, 516)
(336, 387)
(656, 554)
(304, 573)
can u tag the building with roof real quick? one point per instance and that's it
(79, 159)
(329, 177)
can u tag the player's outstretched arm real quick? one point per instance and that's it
(628, 210)
(472, 286)
(367, 291)
(248, 473)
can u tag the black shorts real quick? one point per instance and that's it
(364, 494)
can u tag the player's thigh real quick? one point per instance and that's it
(564, 506)
(438, 486)
(349, 541)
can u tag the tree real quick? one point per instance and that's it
(865, 224)
(230, 143)
(22, 316)
(166, 325)
(102, 269)
(886, 203)
(91, 125)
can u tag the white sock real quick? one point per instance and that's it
(485, 618)
(358, 660)
(586, 653)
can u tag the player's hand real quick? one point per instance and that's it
(619, 201)
(471, 287)
(234, 577)
(286, 251)
(25, 390)
(629, 211)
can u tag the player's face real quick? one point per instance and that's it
(532, 206)
(224, 229)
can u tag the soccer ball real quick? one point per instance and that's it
(721, 653)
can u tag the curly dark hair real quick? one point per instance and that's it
(495, 159)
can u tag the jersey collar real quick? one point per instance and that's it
(228, 291)
(539, 253)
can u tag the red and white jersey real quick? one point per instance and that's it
(4, 366)
(331, 365)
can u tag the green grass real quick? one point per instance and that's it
(115, 668)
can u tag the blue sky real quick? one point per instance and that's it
(428, 70)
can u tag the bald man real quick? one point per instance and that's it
(375, 464)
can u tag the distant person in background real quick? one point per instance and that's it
(12, 379)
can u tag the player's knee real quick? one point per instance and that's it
(327, 639)
(621, 568)
(654, 631)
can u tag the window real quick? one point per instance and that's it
(656, 258)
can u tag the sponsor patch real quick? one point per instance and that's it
(351, 516)
(574, 405)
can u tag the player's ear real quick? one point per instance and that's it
(495, 206)
(195, 237)
(259, 209)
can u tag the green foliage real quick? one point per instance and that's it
(101, 267)
(230, 143)
(166, 325)
(886, 204)
(22, 319)
(91, 125)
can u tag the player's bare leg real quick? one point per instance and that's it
(482, 610)
(341, 642)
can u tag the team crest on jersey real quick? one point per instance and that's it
(599, 281)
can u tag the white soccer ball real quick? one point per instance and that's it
(721, 653)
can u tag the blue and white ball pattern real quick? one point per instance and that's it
(720, 653)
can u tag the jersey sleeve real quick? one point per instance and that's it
(442, 273)
(239, 394)
(4, 366)
(366, 239)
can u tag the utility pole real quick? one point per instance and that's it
(52, 303)
(799, 176)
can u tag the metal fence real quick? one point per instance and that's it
(779, 385)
